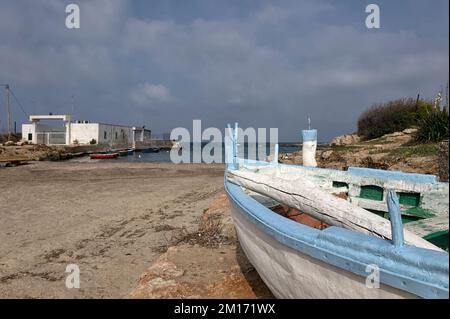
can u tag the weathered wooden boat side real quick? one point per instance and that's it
(422, 197)
(261, 231)
(298, 261)
(303, 195)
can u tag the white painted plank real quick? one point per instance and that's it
(424, 227)
(304, 195)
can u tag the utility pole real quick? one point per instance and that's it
(73, 103)
(8, 110)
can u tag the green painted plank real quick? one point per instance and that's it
(339, 184)
(429, 226)
(439, 239)
(371, 192)
(409, 199)
(420, 212)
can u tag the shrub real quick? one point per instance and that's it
(433, 127)
(93, 141)
(392, 116)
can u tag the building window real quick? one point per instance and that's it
(116, 135)
(104, 135)
(30, 136)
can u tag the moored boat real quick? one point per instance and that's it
(148, 150)
(334, 239)
(104, 155)
(176, 145)
(152, 150)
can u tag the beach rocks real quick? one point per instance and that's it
(190, 270)
(409, 131)
(345, 140)
(395, 134)
(326, 154)
(398, 137)
(392, 151)
(443, 161)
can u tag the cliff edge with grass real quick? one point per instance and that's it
(404, 135)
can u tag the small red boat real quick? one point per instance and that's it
(104, 156)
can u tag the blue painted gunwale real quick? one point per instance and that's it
(419, 271)
(393, 175)
(379, 174)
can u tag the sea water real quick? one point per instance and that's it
(164, 156)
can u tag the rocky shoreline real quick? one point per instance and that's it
(12, 151)
(396, 151)
(208, 263)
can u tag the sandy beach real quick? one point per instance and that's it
(111, 219)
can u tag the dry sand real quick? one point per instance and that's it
(111, 219)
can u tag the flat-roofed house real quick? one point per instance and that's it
(81, 132)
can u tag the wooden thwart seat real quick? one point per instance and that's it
(428, 226)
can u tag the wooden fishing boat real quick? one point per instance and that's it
(152, 150)
(176, 145)
(104, 155)
(123, 153)
(322, 233)
(148, 150)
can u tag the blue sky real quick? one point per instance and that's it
(262, 63)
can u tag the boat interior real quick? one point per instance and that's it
(424, 201)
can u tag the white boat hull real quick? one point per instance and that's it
(291, 274)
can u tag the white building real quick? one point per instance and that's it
(81, 132)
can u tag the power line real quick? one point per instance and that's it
(65, 104)
(8, 87)
(9, 92)
(18, 102)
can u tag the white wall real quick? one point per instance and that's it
(84, 133)
(42, 133)
(26, 129)
(116, 135)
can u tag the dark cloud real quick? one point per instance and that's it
(264, 64)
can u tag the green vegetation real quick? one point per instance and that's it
(420, 150)
(393, 116)
(433, 127)
(345, 148)
(14, 137)
(382, 140)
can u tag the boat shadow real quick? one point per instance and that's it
(252, 277)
